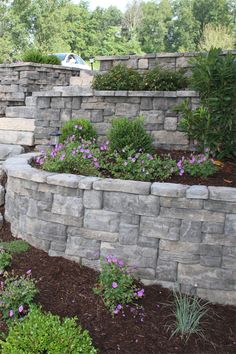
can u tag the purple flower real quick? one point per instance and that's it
(114, 260)
(96, 164)
(11, 313)
(108, 259)
(181, 172)
(21, 309)
(121, 263)
(116, 311)
(62, 157)
(29, 272)
(119, 307)
(179, 164)
(140, 293)
(114, 285)
(133, 159)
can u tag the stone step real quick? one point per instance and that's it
(18, 124)
(21, 112)
(16, 137)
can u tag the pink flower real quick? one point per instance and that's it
(114, 259)
(11, 313)
(140, 293)
(121, 263)
(21, 309)
(29, 272)
(62, 157)
(116, 311)
(114, 284)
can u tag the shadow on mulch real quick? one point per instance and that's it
(66, 289)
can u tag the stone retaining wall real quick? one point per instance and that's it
(17, 81)
(51, 109)
(175, 235)
(173, 61)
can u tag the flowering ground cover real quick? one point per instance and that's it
(66, 289)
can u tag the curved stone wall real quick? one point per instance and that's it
(175, 235)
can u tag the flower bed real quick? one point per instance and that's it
(176, 235)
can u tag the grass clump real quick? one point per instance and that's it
(16, 246)
(36, 56)
(46, 333)
(5, 259)
(188, 313)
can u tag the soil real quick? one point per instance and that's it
(66, 289)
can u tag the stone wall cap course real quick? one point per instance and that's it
(104, 93)
(64, 180)
(125, 186)
(87, 182)
(197, 192)
(168, 189)
(223, 193)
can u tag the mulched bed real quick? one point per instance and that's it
(66, 289)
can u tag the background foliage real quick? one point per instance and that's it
(152, 26)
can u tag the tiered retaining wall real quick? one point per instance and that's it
(51, 109)
(175, 235)
(173, 61)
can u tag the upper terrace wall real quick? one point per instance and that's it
(17, 81)
(142, 63)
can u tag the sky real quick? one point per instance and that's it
(121, 4)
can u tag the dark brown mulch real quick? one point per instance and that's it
(226, 176)
(66, 290)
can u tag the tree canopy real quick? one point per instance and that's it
(151, 26)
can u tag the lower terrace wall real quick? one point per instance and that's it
(175, 235)
(52, 109)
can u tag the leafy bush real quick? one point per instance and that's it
(214, 77)
(188, 313)
(16, 293)
(130, 134)
(16, 246)
(46, 333)
(160, 79)
(5, 259)
(36, 56)
(79, 129)
(197, 166)
(116, 285)
(120, 77)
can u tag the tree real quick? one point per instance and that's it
(216, 37)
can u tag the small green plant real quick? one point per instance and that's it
(188, 313)
(130, 134)
(36, 56)
(5, 260)
(197, 165)
(160, 79)
(16, 246)
(46, 333)
(78, 129)
(16, 294)
(116, 285)
(120, 77)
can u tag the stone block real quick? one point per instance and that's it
(168, 189)
(166, 271)
(7, 151)
(181, 203)
(211, 250)
(210, 261)
(101, 220)
(64, 180)
(2, 195)
(143, 63)
(190, 231)
(132, 204)
(218, 296)
(87, 182)
(82, 247)
(18, 124)
(145, 273)
(61, 219)
(171, 138)
(146, 104)
(128, 234)
(213, 227)
(127, 110)
(70, 206)
(148, 242)
(16, 137)
(160, 103)
(93, 234)
(135, 256)
(229, 257)
(207, 277)
(125, 186)
(197, 192)
(93, 199)
(177, 251)
(152, 117)
(170, 123)
(42, 102)
(21, 112)
(65, 115)
(219, 239)
(97, 116)
(131, 219)
(57, 103)
(222, 206)
(223, 193)
(192, 215)
(158, 227)
(230, 224)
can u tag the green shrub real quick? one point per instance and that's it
(36, 56)
(130, 134)
(16, 293)
(214, 77)
(160, 79)
(16, 246)
(5, 259)
(78, 128)
(120, 77)
(46, 333)
(188, 313)
(116, 285)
